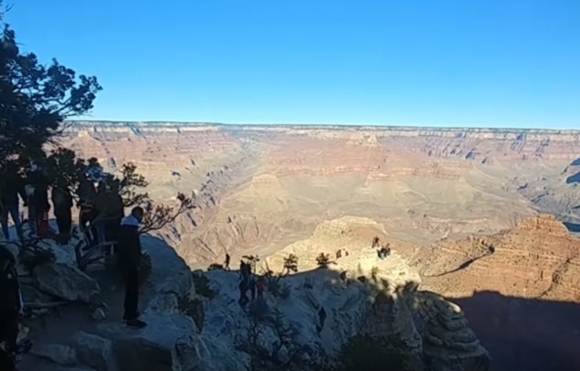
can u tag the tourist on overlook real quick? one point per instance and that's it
(37, 202)
(12, 186)
(129, 252)
(62, 202)
(88, 212)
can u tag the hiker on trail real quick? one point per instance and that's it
(321, 320)
(129, 258)
(11, 303)
(12, 186)
(227, 262)
(62, 201)
(260, 286)
(252, 287)
(243, 287)
(245, 271)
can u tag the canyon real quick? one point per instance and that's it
(485, 217)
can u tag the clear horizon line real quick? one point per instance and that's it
(375, 125)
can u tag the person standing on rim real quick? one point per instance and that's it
(129, 252)
(62, 202)
(11, 186)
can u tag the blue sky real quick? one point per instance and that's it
(497, 63)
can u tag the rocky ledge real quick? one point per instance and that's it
(196, 323)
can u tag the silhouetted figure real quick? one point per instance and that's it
(38, 206)
(260, 286)
(252, 287)
(11, 303)
(339, 254)
(129, 259)
(88, 212)
(321, 319)
(62, 202)
(111, 212)
(11, 186)
(245, 271)
(227, 262)
(7, 360)
(243, 287)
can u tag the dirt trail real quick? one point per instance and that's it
(60, 326)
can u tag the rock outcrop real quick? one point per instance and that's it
(195, 321)
(431, 330)
(537, 259)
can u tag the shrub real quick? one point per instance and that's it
(32, 258)
(215, 266)
(259, 310)
(290, 264)
(323, 259)
(364, 353)
(192, 308)
(202, 287)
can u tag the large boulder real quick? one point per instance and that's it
(95, 351)
(170, 277)
(66, 282)
(168, 343)
(171, 341)
(57, 353)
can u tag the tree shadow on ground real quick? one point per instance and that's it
(525, 334)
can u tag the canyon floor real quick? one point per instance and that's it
(460, 205)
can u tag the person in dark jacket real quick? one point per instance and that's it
(41, 206)
(88, 212)
(227, 262)
(62, 202)
(11, 303)
(37, 202)
(12, 186)
(111, 212)
(129, 254)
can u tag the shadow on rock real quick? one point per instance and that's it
(525, 334)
